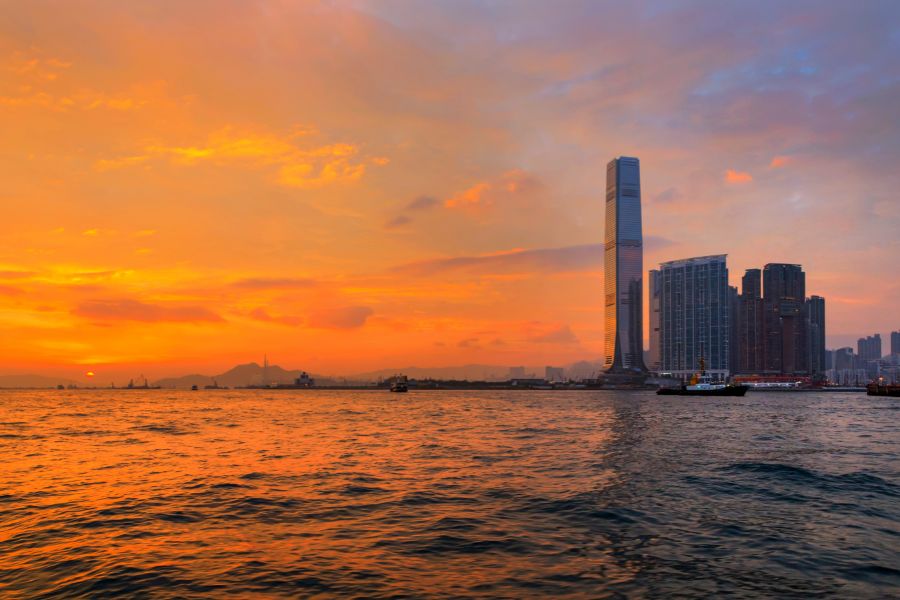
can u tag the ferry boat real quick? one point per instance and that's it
(702, 384)
(399, 384)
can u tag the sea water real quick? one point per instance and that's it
(232, 493)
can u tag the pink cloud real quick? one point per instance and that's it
(732, 176)
(780, 161)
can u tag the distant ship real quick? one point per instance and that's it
(146, 386)
(702, 385)
(399, 384)
(877, 388)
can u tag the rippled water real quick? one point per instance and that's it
(436, 494)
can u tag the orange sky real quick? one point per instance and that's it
(348, 186)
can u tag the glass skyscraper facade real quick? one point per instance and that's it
(623, 267)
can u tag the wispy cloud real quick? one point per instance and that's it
(124, 309)
(274, 283)
(340, 317)
(561, 335)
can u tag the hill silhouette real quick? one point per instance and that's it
(238, 376)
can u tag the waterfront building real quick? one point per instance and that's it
(516, 373)
(844, 359)
(554, 374)
(653, 356)
(869, 351)
(750, 323)
(733, 332)
(895, 342)
(694, 316)
(784, 319)
(815, 313)
(623, 267)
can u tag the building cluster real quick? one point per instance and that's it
(771, 329)
(868, 363)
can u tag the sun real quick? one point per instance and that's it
(90, 373)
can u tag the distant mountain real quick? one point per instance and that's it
(252, 374)
(34, 381)
(239, 376)
(477, 372)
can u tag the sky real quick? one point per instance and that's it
(346, 186)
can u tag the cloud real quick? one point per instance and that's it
(134, 310)
(488, 193)
(396, 222)
(561, 335)
(17, 274)
(780, 161)
(423, 203)
(543, 260)
(668, 195)
(295, 165)
(274, 283)
(8, 290)
(344, 317)
(737, 177)
(260, 314)
(653, 243)
(469, 343)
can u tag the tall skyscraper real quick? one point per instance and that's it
(750, 323)
(895, 342)
(623, 267)
(653, 357)
(694, 316)
(784, 294)
(815, 314)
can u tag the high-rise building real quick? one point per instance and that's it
(653, 357)
(869, 347)
(733, 332)
(895, 342)
(694, 316)
(623, 267)
(750, 339)
(815, 327)
(844, 359)
(784, 319)
(516, 373)
(554, 374)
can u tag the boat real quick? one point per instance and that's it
(702, 384)
(878, 388)
(399, 384)
(194, 388)
(131, 385)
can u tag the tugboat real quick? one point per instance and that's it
(399, 384)
(702, 385)
(880, 388)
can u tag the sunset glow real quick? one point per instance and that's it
(345, 187)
